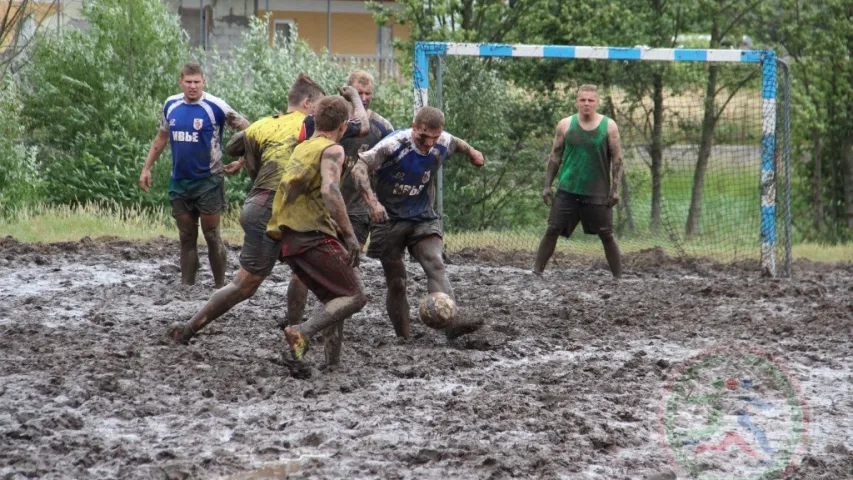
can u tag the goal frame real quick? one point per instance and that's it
(766, 59)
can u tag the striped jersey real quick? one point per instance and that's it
(404, 175)
(195, 135)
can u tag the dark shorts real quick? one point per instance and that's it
(320, 261)
(208, 202)
(361, 227)
(569, 209)
(389, 240)
(260, 253)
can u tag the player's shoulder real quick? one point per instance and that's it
(380, 119)
(611, 123)
(172, 99)
(216, 101)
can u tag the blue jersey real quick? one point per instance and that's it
(195, 135)
(404, 175)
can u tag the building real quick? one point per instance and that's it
(353, 31)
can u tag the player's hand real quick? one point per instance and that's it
(477, 158)
(378, 213)
(353, 250)
(546, 195)
(234, 167)
(349, 92)
(614, 199)
(145, 180)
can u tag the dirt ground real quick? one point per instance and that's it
(573, 376)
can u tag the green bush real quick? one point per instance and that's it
(92, 99)
(20, 183)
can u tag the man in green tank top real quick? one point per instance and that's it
(587, 161)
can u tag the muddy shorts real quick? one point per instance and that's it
(361, 227)
(260, 253)
(321, 262)
(569, 209)
(389, 240)
(204, 197)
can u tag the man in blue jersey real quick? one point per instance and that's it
(405, 164)
(192, 123)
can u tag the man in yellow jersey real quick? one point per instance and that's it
(309, 213)
(354, 142)
(266, 147)
(587, 151)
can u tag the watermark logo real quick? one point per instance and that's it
(733, 413)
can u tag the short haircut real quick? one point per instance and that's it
(429, 117)
(191, 68)
(330, 113)
(304, 88)
(359, 77)
(588, 88)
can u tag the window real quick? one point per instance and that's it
(284, 30)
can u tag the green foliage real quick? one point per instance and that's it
(255, 78)
(92, 100)
(513, 132)
(19, 179)
(816, 40)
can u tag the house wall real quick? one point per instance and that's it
(353, 30)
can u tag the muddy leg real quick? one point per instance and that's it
(334, 311)
(241, 288)
(188, 234)
(546, 249)
(611, 251)
(428, 253)
(297, 298)
(396, 301)
(215, 249)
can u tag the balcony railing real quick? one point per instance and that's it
(385, 68)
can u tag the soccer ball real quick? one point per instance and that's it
(438, 310)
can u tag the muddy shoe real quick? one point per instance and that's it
(462, 328)
(178, 334)
(298, 343)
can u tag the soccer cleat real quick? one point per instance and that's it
(298, 343)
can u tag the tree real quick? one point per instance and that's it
(725, 21)
(815, 37)
(91, 100)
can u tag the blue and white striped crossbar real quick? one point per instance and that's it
(601, 53)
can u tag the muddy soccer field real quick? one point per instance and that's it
(672, 373)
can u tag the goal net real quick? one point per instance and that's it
(704, 145)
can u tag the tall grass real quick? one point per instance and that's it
(48, 224)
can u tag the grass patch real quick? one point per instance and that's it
(63, 223)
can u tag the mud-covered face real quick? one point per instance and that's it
(192, 86)
(365, 93)
(425, 138)
(587, 103)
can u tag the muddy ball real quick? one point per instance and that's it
(438, 310)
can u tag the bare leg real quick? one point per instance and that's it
(215, 249)
(428, 253)
(297, 298)
(333, 312)
(188, 234)
(546, 249)
(611, 251)
(396, 301)
(241, 288)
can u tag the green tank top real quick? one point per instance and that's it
(586, 161)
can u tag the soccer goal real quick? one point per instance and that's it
(705, 145)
